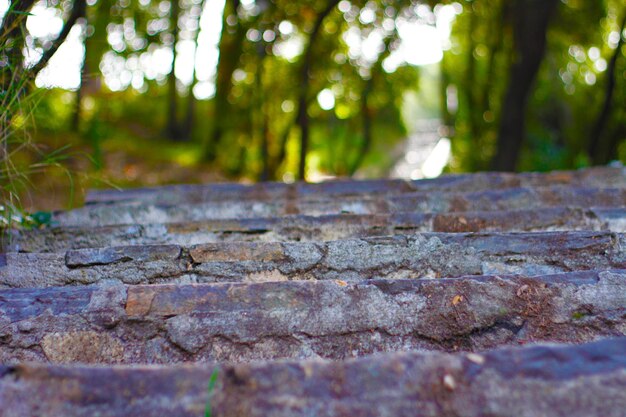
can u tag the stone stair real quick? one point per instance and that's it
(300, 228)
(139, 212)
(472, 295)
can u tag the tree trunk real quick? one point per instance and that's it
(78, 100)
(469, 81)
(366, 126)
(497, 38)
(230, 50)
(444, 83)
(190, 115)
(302, 118)
(262, 111)
(600, 152)
(172, 128)
(77, 115)
(530, 24)
(188, 125)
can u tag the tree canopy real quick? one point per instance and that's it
(273, 89)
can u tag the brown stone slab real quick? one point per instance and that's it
(177, 194)
(232, 252)
(331, 319)
(308, 228)
(562, 381)
(421, 202)
(400, 256)
(531, 220)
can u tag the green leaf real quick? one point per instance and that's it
(211, 387)
(42, 218)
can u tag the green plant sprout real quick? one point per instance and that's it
(210, 388)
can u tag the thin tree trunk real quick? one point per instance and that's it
(302, 118)
(172, 128)
(366, 111)
(78, 100)
(77, 115)
(190, 114)
(444, 83)
(496, 45)
(530, 24)
(616, 135)
(262, 110)
(469, 82)
(281, 155)
(366, 126)
(598, 153)
(188, 125)
(230, 50)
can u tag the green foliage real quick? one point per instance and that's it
(251, 119)
(210, 389)
(568, 93)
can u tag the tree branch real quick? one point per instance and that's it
(595, 150)
(302, 118)
(78, 10)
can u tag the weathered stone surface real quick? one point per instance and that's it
(177, 194)
(307, 228)
(560, 381)
(82, 346)
(536, 381)
(330, 319)
(420, 255)
(76, 268)
(511, 198)
(422, 202)
(236, 251)
(344, 275)
(105, 256)
(80, 391)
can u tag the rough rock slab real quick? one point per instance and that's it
(177, 194)
(299, 319)
(423, 202)
(545, 380)
(301, 228)
(420, 255)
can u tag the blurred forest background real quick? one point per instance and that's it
(100, 93)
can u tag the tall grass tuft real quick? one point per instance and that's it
(20, 157)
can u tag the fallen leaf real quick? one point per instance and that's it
(476, 358)
(449, 382)
(341, 283)
(457, 299)
(521, 290)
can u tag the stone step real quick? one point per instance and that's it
(424, 202)
(400, 256)
(335, 319)
(541, 380)
(177, 194)
(310, 229)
